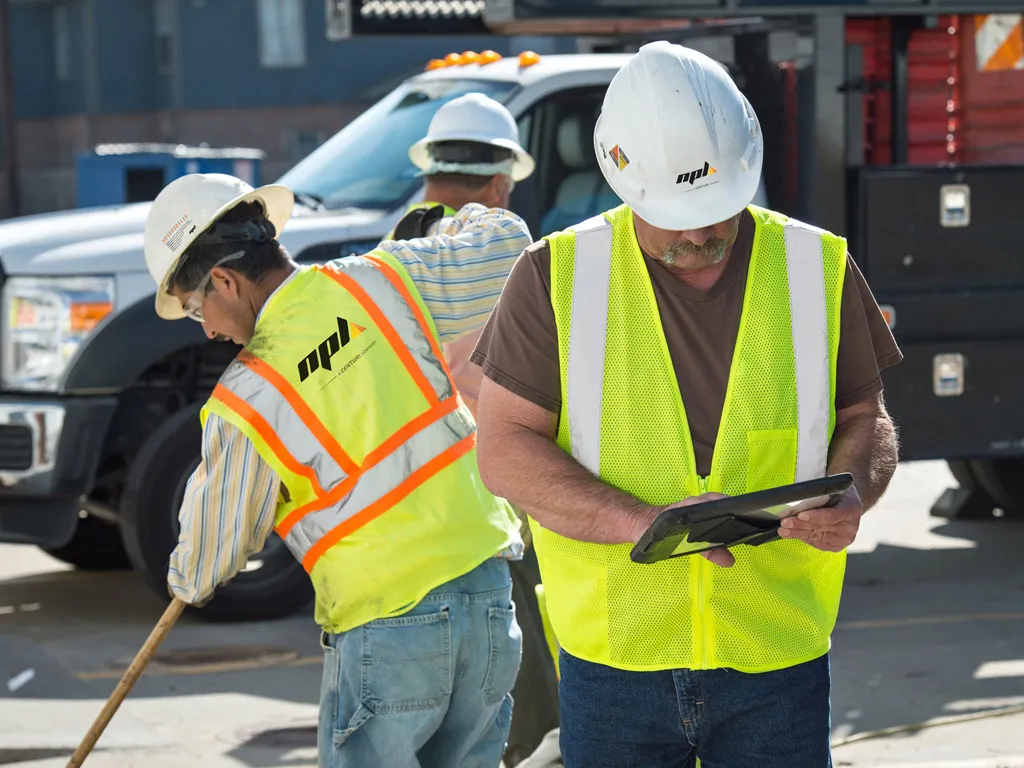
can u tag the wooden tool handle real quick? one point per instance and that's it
(132, 674)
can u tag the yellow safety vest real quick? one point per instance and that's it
(344, 392)
(622, 417)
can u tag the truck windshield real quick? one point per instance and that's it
(366, 164)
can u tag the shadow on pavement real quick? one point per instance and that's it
(926, 633)
(12, 756)
(278, 747)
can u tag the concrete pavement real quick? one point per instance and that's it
(932, 626)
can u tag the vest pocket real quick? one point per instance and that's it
(506, 647)
(771, 457)
(406, 662)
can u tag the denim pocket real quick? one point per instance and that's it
(362, 714)
(406, 662)
(506, 644)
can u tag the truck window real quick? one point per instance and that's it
(559, 132)
(366, 164)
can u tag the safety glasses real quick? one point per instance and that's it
(194, 306)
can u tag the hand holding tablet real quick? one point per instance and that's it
(752, 518)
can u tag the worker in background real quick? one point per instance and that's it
(472, 154)
(679, 347)
(338, 426)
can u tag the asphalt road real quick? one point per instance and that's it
(931, 627)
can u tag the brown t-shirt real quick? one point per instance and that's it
(518, 348)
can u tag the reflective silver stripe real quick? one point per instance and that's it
(291, 430)
(809, 317)
(587, 332)
(401, 317)
(380, 480)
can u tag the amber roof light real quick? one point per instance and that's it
(528, 59)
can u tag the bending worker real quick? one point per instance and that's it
(472, 154)
(338, 426)
(686, 343)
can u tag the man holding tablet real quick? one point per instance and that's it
(684, 346)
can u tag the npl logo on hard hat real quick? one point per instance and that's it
(696, 175)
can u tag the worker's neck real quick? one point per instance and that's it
(445, 194)
(270, 283)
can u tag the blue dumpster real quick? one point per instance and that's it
(113, 174)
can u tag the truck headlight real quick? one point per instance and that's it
(45, 319)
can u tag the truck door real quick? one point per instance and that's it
(567, 186)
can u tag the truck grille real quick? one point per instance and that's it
(15, 447)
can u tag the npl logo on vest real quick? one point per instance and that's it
(328, 348)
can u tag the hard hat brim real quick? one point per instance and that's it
(278, 201)
(522, 168)
(675, 218)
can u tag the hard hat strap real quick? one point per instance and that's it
(252, 231)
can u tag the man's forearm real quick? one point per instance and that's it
(866, 446)
(532, 472)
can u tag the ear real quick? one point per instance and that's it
(225, 282)
(496, 189)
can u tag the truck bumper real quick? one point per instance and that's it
(49, 452)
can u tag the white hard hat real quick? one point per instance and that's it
(479, 118)
(186, 208)
(677, 141)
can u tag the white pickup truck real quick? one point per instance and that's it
(99, 398)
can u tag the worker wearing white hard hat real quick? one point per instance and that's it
(338, 427)
(681, 347)
(460, 134)
(472, 155)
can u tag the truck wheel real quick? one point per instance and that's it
(274, 584)
(95, 546)
(1003, 480)
(962, 473)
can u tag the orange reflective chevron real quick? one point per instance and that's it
(267, 432)
(400, 286)
(383, 325)
(387, 448)
(304, 412)
(388, 500)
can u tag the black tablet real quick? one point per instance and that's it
(748, 518)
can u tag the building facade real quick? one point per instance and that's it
(246, 73)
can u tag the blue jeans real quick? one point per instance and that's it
(728, 719)
(429, 688)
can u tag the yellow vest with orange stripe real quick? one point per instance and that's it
(344, 392)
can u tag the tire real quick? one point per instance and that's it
(1003, 480)
(152, 497)
(963, 473)
(95, 546)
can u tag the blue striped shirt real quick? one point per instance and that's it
(229, 505)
